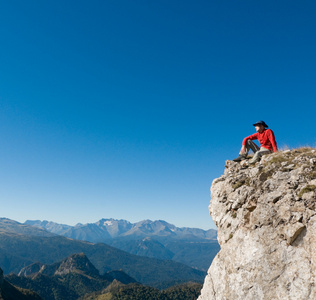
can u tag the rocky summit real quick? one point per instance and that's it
(266, 222)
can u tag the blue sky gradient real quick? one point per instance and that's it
(129, 109)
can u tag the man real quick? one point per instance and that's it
(267, 143)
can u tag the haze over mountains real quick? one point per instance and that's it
(53, 265)
(158, 239)
(107, 229)
(18, 249)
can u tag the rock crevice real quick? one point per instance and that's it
(266, 223)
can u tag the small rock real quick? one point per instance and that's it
(292, 232)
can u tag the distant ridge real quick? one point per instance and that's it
(18, 250)
(7, 225)
(158, 239)
(106, 229)
(76, 263)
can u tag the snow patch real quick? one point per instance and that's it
(108, 223)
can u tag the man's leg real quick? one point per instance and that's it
(259, 154)
(249, 145)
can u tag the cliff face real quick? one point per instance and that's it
(266, 223)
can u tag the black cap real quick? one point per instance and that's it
(261, 123)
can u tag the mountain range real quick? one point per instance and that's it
(71, 278)
(157, 239)
(76, 278)
(107, 229)
(22, 245)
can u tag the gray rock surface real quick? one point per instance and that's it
(266, 223)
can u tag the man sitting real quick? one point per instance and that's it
(267, 143)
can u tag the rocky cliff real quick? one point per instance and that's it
(266, 223)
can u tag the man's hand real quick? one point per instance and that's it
(243, 149)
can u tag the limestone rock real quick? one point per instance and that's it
(266, 223)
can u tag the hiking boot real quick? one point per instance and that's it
(240, 157)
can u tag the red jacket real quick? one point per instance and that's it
(266, 139)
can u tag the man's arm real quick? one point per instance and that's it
(251, 137)
(272, 140)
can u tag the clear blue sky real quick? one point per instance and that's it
(129, 109)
